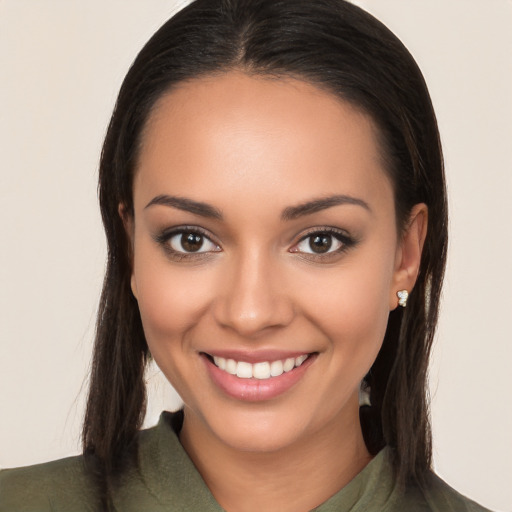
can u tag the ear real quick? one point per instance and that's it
(129, 227)
(408, 253)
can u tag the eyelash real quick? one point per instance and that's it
(345, 240)
(166, 236)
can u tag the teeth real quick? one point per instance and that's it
(264, 370)
(299, 360)
(289, 364)
(220, 362)
(244, 370)
(276, 368)
(231, 365)
(261, 370)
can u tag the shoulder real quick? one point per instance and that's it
(437, 496)
(61, 485)
(154, 469)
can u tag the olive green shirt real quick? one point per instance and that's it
(167, 480)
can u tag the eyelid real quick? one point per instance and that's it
(341, 235)
(165, 235)
(337, 232)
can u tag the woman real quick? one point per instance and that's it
(273, 195)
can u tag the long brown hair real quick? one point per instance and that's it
(344, 50)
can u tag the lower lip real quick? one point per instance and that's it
(256, 390)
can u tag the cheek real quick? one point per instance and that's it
(355, 291)
(351, 305)
(170, 300)
(171, 304)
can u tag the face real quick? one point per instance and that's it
(266, 257)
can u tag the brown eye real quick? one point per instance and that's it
(320, 243)
(323, 242)
(191, 242)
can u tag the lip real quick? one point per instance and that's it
(255, 390)
(253, 357)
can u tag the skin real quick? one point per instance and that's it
(251, 147)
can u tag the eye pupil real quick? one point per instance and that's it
(320, 243)
(191, 242)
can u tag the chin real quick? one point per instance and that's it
(265, 437)
(262, 428)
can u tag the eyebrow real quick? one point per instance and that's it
(289, 213)
(316, 205)
(188, 205)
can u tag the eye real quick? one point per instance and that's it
(191, 242)
(322, 242)
(319, 243)
(186, 243)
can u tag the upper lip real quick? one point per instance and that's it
(256, 356)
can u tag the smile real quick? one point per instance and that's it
(266, 377)
(262, 370)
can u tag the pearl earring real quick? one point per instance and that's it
(403, 295)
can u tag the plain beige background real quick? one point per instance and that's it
(61, 64)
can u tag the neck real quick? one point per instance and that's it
(297, 477)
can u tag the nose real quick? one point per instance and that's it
(253, 297)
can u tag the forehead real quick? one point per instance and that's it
(233, 132)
